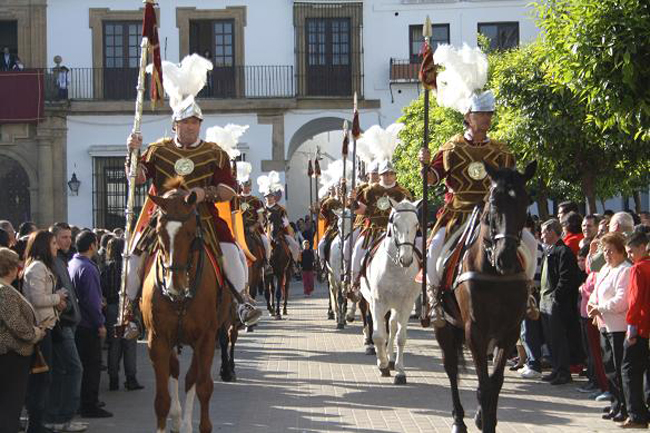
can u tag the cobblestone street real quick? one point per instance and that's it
(302, 375)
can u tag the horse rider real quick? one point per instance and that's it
(460, 163)
(374, 204)
(275, 212)
(327, 212)
(205, 167)
(252, 210)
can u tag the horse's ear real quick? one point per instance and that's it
(417, 203)
(530, 170)
(393, 203)
(191, 199)
(160, 201)
(491, 171)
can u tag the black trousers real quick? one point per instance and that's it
(635, 365)
(612, 345)
(90, 353)
(14, 375)
(39, 389)
(555, 333)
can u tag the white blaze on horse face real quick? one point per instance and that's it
(172, 228)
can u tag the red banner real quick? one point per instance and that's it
(23, 96)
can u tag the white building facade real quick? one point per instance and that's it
(286, 68)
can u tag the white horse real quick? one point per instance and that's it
(389, 286)
(335, 267)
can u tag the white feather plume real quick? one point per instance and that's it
(333, 174)
(184, 81)
(465, 71)
(227, 137)
(244, 170)
(382, 143)
(269, 183)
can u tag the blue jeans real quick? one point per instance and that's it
(119, 348)
(531, 339)
(65, 390)
(38, 389)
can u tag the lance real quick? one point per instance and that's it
(428, 79)
(310, 175)
(317, 174)
(149, 34)
(356, 133)
(344, 153)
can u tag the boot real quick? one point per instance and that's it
(132, 384)
(437, 314)
(114, 383)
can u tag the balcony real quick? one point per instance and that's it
(404, 71)
(114, 84)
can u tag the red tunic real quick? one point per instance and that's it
(638, 295)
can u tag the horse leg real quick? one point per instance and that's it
(175, 412)
(478, 344)
(233, 334)
(392, 333)
(367, 327)
(379, 335)
(340, 305)
(160, 353)
(503, 348)
(224, 371)
(285, 290)
(204, 386)
(190, 395)
(450, 340)
(352, 311)
(278, 295)
(402, 322)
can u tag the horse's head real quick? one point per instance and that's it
(276, 223)
(345, 219)
(505, 215)
(176, 229)
(402, 229)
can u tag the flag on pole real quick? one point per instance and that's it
(356, 128)
(150, 31)
(428, 69)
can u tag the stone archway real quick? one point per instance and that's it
(311, 129)
(15, 192)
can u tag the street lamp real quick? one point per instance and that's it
(74, 184)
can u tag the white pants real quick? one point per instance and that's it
(267, 246)
(348, 246)
(321, 250)
(293, 247)
(357, 256)
(235, 269)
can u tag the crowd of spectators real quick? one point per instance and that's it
(593, 289)
(58, 308)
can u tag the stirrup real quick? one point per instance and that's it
(248, 314)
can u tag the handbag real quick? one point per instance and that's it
(38, 362)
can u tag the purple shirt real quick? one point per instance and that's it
(85, 279)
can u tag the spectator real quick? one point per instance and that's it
(597, 381)
(67, 369)
(645, 218)
(531, 330)
(621, 222)
(26, 228)
(7, 60)
(9, 228)
(18, 335)
(103, 244)
(572, 230)
(564, 208)
(39, 285)
(635, 348)
(589, 228)
(85, 279)
(307, 260)
(608, 302)
(117, 347)
(559, 290)
(608, 213)
(4, 238)
(63, 82)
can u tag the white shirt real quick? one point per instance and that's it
(610, 295)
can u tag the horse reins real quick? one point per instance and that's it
(389, 232)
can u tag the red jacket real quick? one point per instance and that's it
(638, 295)
(572, 240)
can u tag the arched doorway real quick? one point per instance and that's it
(14, 192)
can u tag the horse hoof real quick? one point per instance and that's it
(400, 379)
(349, 319)
(330, 316)
(458, 428)
(340, 326)
(250, 329)
(478, 420)
(385, 372)
(285, 312)
(391, 365)
(278, 317)
(370, 350)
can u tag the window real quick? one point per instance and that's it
(121, 58)
(440, 36)
(9, 36)
(215, 40)
(109, 193)
(502, 35)
(328, 56)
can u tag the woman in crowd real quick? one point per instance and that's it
(307, 260)
(117, 347)
(608, 303)
(18, 335)
(39, 283)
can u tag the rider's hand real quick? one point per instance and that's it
(134, 141)
(200, 194)
(424, 156)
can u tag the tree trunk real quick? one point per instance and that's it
(637, 201)
(602, 203)
(542, 201)
(589, 190)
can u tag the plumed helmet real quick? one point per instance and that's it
(386, 167)
(482, 102)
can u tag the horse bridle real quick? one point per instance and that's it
(490, 243)
(196, 246)
(390, 226)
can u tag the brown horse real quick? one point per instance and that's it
(277, 286)
(182, 304)
(490, 300)
(255, 268)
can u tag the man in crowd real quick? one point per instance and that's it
(558, 303)
(635, 347)
(589, 228)
(91, 330)
(621, 222)
(67, 370)
(565, 207)
(9, 228)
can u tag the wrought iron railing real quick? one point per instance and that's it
(242, 82)
(403, 71)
